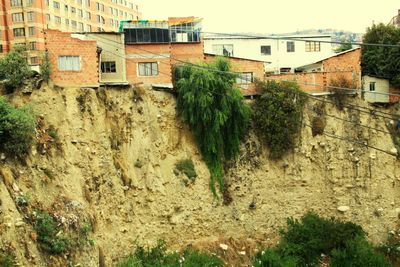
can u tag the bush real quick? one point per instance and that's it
(271, 258)
(309, 237)
(209, 102)
(6, 259)
(339, 95)
(158, 257)
(45, 67)
(48, 234)
(14, 69)
(317, 126)
(277, 115)
(187, 167)
(358, 253)
(17, 129)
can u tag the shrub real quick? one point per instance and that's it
(45, 67)
(317, 126)
(159, 257)
(209, 102)
(277, 115)
(271, 258)
(339, 95)
(14, 69)
(48, 234)
(309, 237)
(358, 253)
(17, 129)
(6, 259)
(187, 167)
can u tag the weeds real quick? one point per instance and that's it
(138, 164)
(187, 167)
(6, 259)
(338, 93)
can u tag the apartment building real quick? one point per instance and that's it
(23, 21)
(283, 53)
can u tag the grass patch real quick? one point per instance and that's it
(159, 257)
(186, 167)
(6, 259)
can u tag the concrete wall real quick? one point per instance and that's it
(280, 58)
(381, 86)
(62, 44)
(113, 49)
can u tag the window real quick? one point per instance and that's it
(67, 22)
(31, 31)
(73, 23)
(121, 13)
(130, 5)
(34, 60)
(56, 4)
(87, 3)
(223, 50)
(28, 2)
(290, 46)
(66, 8)
(266, 50)
(148, 69)
(108, 67)
(30, 16)
(79, 2)
(73, 9)
(245, 77)
(69, 63)
(99, 6)
(88, 28)
(16, 2)
(1, 48)
(372, 86)
(80, 26)
(19, 32)
(17, 17)
(87, 15)
(32, 46)
(47, 2)
(313, 46)
(100, 19)
(80, 13)
(48, 19)
(57, 19)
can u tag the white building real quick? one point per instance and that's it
(283, 54)
(376, 89)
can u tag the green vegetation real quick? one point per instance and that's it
(138, 163)
(382, 61)
(14, 69)
(344, 46)
(305, 240)
(213, 107)
(277, 114)
(187, 167)
(339, 95)
(45, 67)
(49, 236)
(6, 259)
(17, 129)
(159, 257)
(392, 248)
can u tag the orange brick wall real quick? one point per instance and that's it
(394, 98)
(347, 62)
(304, 80)
(193, 52)
(244, 65)
(62, 44)
(147, 52)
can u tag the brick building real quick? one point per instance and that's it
(74, 61)
(317, 76)
(23, 21)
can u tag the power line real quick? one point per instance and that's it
(297, 39)
(355, 142)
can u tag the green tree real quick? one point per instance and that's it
(14, 68)
(277, 114)
(344, 46)
(17, 129)
(45, 67)
(213, 107)
(382, 61)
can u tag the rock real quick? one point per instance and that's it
(19, 224)
(242, 252)
(74, 141)
(322, 144)
(378, 212)
(350, 149)
(356, 159)
(2, 156)
(223, 246)
(393, 151)
(285, 164)
(125, 188)
(343, 208)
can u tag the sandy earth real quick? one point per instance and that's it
(104, 133)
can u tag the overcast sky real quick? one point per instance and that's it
(265, 16)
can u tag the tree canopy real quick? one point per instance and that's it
(14, 68)
(382, 61)
(214, 109)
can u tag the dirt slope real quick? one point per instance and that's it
(114, 165)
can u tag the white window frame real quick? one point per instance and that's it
(69, 64)
(243, 78)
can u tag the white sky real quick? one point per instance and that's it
(278, 16)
